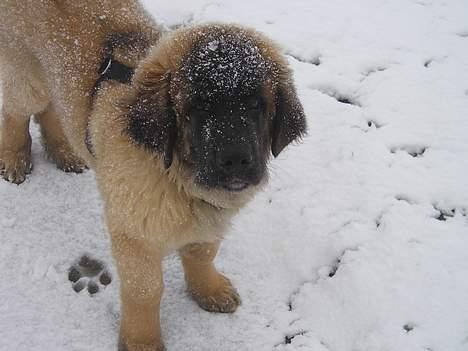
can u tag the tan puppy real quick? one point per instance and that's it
(178, 146)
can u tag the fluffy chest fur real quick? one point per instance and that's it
(143, 199)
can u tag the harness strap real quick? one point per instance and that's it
(110, 70)
(113, 70)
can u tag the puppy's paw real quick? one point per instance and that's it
(88, 273)
(223, 298)
(71, 163)
(14, 166)
(65, 159)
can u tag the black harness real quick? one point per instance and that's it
(110, 70)
(113, 70)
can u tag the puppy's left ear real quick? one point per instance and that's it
(289, 122)
(151, 117)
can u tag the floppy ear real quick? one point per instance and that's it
(151, 118)
(289, 123)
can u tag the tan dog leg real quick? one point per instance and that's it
(24, 94)
(15, 148)
(210, 289)
(141, 289)
(56, 143)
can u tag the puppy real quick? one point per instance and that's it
(178, 127)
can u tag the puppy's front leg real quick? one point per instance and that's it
(141, 282)
(210, 289)
(15, 147)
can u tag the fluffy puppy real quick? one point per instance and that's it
(178, 147)
(179, 151)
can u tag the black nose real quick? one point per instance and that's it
(234, 159)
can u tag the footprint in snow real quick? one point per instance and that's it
(89, 273)
(315, 60)
(412, 150)
(371, 71)
(339, 97)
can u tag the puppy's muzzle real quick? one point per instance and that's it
(237, 165)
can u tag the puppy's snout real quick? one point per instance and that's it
(234, 159)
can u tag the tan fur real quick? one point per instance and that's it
(51, 52)
(209, 288)
(56, 143)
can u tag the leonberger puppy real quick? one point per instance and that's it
(178, 127)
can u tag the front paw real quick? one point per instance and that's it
(223, 298)
(14, 166)
(65, 159)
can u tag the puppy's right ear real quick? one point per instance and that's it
(151, 117)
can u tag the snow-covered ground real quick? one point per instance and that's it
(358, 244)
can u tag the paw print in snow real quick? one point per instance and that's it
(88, 273)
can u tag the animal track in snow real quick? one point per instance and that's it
(337, 262)
(463, 34)
(428, 62)
(372, 71)
(372, 123)
(289, 338)
(323, 272)
(378, 221)
(346, 100)
(408, 327)
(413, 150)
(434, 60)
(334, 268)
(404, 198)
(313, 61)
(88, 273)
(341, 98)
(368, 125)
(444, 213)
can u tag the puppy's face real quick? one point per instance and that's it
(224, 110)
(220, 105)
(226, 141)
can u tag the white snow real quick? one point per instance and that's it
(360, 200)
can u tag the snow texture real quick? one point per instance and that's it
(359, 242)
